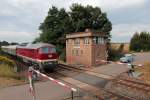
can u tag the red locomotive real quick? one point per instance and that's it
(43, 55)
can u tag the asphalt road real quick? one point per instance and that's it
(142, 57)
(44, 91)
(116, 69)
(92, 80)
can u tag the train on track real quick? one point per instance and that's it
(41, 55)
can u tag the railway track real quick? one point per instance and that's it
(131, 87)
(129, 82)
(87, 71)
(67, 67)
(100, 93)
(134, 84)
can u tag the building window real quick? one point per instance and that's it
(77, 53)
(68, 41)
(95, 40)
(72, 52)
(77, 41)
(86, 41)
(81, 52)
(98, 40)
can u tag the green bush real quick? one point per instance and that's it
(115, 54)
(63, 56)
(5, 60)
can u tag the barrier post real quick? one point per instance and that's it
(71, 95)
(31, 87)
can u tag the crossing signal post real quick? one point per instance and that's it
(31, 83)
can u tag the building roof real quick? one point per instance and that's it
(84, 34)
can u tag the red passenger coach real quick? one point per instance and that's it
(42, 54)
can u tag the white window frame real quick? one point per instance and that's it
(77, 41)
(86, 40)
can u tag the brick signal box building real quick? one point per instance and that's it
(86, 48)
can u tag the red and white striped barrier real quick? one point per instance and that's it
(31, 71)
(55, 81)
(118, 62)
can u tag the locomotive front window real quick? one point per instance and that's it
(44, 50)
(52, 50)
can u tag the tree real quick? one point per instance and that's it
(144, 41)
(13, 43)
(4, 43)
(89, 17)
(121, 47)
(134, 43)
(140, 42)
(59, 22)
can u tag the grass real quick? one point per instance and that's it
(8, 77)
(7, 71)
(7, 82)
(145, 69)
(7, 67)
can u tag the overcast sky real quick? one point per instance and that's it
(20, 19)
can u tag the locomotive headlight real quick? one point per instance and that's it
(49, 56)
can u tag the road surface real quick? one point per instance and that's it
(142, 57)
(44, 91)
(116, 69)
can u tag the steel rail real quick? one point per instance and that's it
(108, 92)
